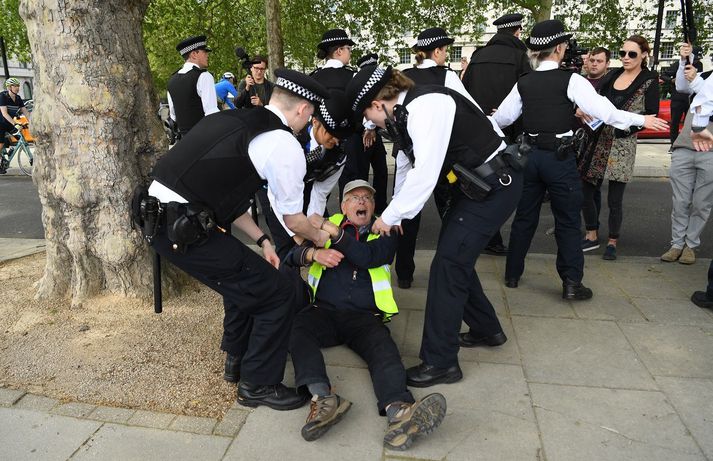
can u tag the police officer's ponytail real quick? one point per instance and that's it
(396, 84)
(536, 57)
(420, 56)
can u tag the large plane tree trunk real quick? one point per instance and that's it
(97, 138)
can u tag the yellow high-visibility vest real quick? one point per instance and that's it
(380, 278)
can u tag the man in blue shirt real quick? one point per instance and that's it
(223, 87)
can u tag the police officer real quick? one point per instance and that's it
(204, 184)
(489, 77)
(325, 161)
(431, 51)
(545, 98)
(449, 142)
(191, 89)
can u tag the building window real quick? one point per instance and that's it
(27, 90)
(671, 19)
(667, 50)
(404, 56)
(455, 53)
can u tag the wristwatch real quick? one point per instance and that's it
(260, 241)
(697, 129)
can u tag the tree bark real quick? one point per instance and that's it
(275, 48)
(97, 138)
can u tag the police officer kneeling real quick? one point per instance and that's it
(205, 183)
(546, 99)
(449, 142)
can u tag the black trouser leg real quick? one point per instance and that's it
(565, 189)
(237, 327)
(677, 111)
(357, 164)
(709, 288)
(496, 240)
(251, 286)
(281, 239)
(615, 200)
(453, 286)
(406, 248)
(377, 157)
(526, 218)
(367, 335)
(590, 210)
(313, 329)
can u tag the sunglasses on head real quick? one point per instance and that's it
(632, 54)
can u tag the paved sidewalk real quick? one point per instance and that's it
(625, 376)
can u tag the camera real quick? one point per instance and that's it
(244, 58)
(572, 60)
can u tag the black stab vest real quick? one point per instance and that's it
(186, 102)
(545, 105)
(210, 166)
(473, 137)
(334, 78)
(429, 76)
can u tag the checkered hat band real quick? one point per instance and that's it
(510, 24)
(428, 41)
(297, 89)
(334, 39)
(375, 77)
(326, 117)
(546, 40)
(192, 47)
(369, 62)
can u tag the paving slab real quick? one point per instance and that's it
(673, 350)
(194, 424)
(359, 436)
(585, 423)
(539, 303)
(37, 402)
(672, 311)
(413, 298)
(9, 396)
(693, 399)
(231, 423)
(31, 435)
(506, 353)
(124, 443)
(151, 419)
(111, 414)
(651, 286)
(76, 409)
(12, 248)
(607, 307)
(579, 352)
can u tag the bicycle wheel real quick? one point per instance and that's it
(25, 159)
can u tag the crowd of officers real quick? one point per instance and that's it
(485, 147)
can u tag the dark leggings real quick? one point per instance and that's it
(590, 209)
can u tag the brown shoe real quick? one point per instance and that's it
(324, 412)
(688, 256)
(672, 254)
(415, 420)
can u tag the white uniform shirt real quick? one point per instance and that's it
(703, 100)
(454, 83)
(278, 158)
(581, 93)
(318, 195)
(205, 87)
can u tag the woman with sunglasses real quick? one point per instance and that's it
(611, 152)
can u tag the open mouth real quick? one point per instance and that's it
(361, 213)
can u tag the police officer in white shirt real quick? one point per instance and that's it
(450, 143)
(205, 183)
(546, 100)
(191, 89)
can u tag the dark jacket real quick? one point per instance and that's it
(243, 99)
(348, 285)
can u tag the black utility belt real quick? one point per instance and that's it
(561, 146)
(472, 180)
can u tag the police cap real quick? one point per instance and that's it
(191, 44)
(432, 38)
(509, 20)
(301, 85)
(364, 87)
(370, 59)
(547, 34)
(334, 37)
(334, 114)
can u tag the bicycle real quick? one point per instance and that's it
(17, 144)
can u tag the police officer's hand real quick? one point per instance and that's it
(380, 227)
(690, 72)
(586, 118)
(327, 257)
(320, 222)
(322, 238)
(652, 122)
(702, 141)
(268, 252)
(368, 138)
(249, 82)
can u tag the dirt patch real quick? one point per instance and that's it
(113, 351)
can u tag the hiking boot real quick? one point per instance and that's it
(688, 256)
(672, 254)
(414, 420)
(324, 412)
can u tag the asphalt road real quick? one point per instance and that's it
(646, 230)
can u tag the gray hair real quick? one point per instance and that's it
(536, 57)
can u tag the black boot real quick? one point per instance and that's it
(232, 368)
(425, 375)
(575, 290)
(275, 396)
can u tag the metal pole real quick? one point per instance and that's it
(4, 58)
(657, 38)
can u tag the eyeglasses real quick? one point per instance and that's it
(632, 54)
(360, 198)
(260, 68)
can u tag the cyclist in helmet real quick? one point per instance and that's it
(11, 105)
(223, 87)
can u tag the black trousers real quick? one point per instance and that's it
(591, 209)
(544, 172)
(357, 167)
(454, 290)
(364, 333)
(258, 300)
(678, 111)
